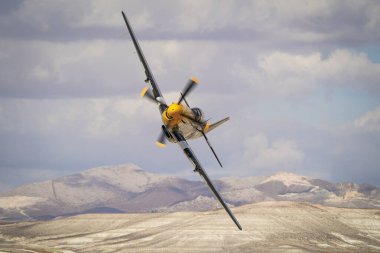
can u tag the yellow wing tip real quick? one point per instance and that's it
(194, 79)
(207, 126)
(160, 145)
(144, 91)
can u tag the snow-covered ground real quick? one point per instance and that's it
(267, 226)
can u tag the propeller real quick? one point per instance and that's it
(191, 84)
(161, 140)
(148, 93)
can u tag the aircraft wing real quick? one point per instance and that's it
(148, 72)
(198, 168)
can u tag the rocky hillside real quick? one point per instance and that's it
(128, 188)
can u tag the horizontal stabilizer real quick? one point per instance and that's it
(216, 124)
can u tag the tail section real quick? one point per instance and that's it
(207, 129)
(216, 124)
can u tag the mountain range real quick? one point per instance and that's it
(129, 189)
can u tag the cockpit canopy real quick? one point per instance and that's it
(197, 114)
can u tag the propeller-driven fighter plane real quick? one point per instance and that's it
(180, 121)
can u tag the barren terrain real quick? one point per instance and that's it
(267, 226)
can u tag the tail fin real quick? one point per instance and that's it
(216, 124)
(211, 127)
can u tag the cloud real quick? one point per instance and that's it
(43, 69)
(101, 118)
(370, 121)
(104, 68)
(293, 75)
(348, 22)
(281, 154)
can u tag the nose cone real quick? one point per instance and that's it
(174, 110)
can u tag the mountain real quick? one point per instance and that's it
(128, 188)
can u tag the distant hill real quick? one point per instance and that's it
(128, 188)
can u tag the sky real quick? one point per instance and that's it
(299, 80)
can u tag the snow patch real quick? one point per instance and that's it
(346, 238)
(19, 201)
(288, 179)
(129, 177)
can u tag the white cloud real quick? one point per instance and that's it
(102, 68)
(100, 118)
(291, 75)
(109, 67)
(49, 69)
(281, 154)
(370, 121)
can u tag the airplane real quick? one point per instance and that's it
(180, 121)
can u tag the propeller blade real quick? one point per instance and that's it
(184, 99)
(188, 88)
(161, 140)
(147, 93)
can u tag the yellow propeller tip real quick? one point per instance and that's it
(144, 91)
(195, 80)
(160, 145)
(207, 126)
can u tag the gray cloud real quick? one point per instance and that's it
(348, 22)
